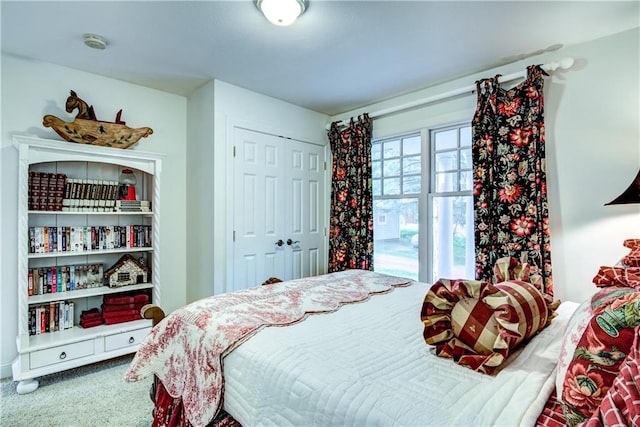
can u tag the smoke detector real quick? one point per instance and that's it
(95, 41)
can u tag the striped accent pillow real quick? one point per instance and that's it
(478, 324)
(473, 322)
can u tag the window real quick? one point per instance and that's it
(397, 182)
(422, 186)
(451, 239)
(123, 276)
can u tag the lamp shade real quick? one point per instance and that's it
(630, 195)
(282, 12)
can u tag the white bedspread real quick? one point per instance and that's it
(367, 364)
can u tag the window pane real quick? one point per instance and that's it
(446, 182)
(446, 139)
(411, 145)
(446, 161)
(396, 241)
(391, 167)
(465, 136)
(411, 184)
(466, 181)
(391, 187)
(411, 164)
(376, 187)
(375, 151)
(391, 149)
(376, 169)
(453, 239)
(465, 159)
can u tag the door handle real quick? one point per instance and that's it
(279, 242)
(291, 242)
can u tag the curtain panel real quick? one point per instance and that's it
(510, 190)
(351, 215)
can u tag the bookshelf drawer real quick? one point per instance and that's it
(63, 353)
(125, 339)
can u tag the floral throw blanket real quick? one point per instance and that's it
(187, 348)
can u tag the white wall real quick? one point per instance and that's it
(209, 158)
(593, 150)
(200, 195)
(32, 89)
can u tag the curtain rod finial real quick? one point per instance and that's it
(563, 64)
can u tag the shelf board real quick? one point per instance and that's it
(84, 293)
(83, 253)
(75, 334)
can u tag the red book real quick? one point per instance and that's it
(43, 321)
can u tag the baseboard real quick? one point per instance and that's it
(5, 371)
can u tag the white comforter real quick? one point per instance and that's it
(367, 364)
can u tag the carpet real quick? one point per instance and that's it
(93, 395)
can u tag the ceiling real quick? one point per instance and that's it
(339, 56)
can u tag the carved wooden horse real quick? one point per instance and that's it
(84, 110)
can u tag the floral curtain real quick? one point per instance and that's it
(510, 190)
(351, 216)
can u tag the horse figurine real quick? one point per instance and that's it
(84, 110)
(87, 129)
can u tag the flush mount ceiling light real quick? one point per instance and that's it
(282, 12)
(95, 41)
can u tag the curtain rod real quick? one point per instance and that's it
(563, 64)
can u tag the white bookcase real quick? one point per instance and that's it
(50, 352)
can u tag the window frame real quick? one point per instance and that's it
(425, 197)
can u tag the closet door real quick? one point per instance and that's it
(305, 202)
(278, 209)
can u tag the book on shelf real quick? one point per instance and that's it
(89, 238)
(64, 278)
(91, 189)
(46, 190)
(105, 205)
(87, 205)
(132, 203)
(57, 192)
(53, 317)
(132, 206)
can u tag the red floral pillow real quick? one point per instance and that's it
(596, 342)
(477, 324)
(621, 405)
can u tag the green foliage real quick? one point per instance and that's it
(407, 233)
(459, 252)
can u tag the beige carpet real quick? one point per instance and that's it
(94, 395)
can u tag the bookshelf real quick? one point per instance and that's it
(65, 344)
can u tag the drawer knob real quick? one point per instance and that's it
(63, 355)
(132, 340)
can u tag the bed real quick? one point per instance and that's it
(286, 354)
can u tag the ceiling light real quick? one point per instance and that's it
(282, 12)
(95, 41)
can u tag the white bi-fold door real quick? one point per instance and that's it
(279, 200)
